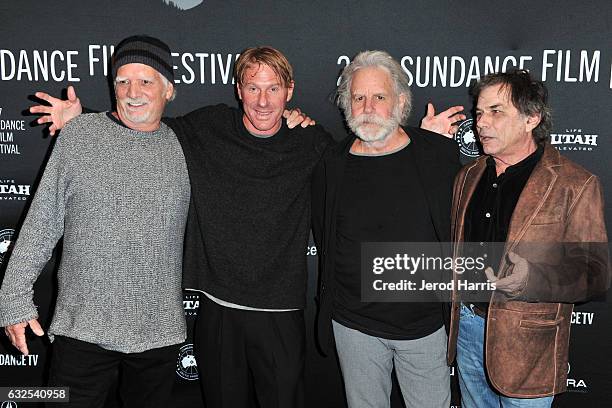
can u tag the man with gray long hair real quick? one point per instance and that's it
(386, 182)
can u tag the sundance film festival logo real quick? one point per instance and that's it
(186, 364)
(31, 360)
(574, 139)
(583, 318)
(12, 191)
(183, 4)
(6, 242)
(465, 137)
(8, 129)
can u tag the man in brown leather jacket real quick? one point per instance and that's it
(549, 212)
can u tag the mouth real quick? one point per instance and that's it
(263, 114)
(133, 105)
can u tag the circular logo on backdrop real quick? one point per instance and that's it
(183, 4)
(8, 404)
(186, 364)
(465, 137)
(6, 241)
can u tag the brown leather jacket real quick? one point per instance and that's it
(558, 226)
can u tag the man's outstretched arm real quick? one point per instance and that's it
(60, 111)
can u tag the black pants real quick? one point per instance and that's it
(89, 371)
(248, 356)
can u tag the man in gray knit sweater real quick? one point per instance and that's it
(119, 307)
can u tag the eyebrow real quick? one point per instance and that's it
(497, 105)
(271, 84)
(146, 78)
(381, 93)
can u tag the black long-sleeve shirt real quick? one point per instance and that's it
(249, 217)
(489, 212)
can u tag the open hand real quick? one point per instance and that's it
(60, 111)
(444, 122)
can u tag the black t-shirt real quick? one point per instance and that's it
(380, 200)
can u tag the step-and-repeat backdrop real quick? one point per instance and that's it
(442, 45)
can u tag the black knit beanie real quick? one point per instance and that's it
(146, 50)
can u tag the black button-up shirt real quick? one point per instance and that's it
(489, 212)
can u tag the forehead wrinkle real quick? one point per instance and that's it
(258, 68)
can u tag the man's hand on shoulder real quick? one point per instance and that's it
(16, 334)
(296, 117)
(59, 112)
(444, 123)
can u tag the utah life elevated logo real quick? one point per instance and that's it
(465, 137)
(6, 241)
(574, 139)
(11, 191)
(191, 303)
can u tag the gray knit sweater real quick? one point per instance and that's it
(119, 198)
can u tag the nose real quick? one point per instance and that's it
(368, 106)
(262, 99)
(133, 90)
(482, 121)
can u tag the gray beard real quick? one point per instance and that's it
(385, 127)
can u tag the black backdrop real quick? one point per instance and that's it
(442, 45)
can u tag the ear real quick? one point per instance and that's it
(169, 91)
(402, 101)
(290, 90)
(532, 122)
(238, 91)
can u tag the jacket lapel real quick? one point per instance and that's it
(470, 180)
(533, 196)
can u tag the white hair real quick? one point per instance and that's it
(374, 59)
(167, 84)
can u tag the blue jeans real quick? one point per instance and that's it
(476, 392)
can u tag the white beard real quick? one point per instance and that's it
(370, 127)
(135, 118)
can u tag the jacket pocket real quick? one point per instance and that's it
(521, 352)
(540, 324)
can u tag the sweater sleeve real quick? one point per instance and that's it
(38, 236)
